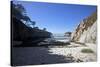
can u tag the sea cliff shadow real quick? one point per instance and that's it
(36, 56)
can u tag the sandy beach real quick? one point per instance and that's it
(52, 55)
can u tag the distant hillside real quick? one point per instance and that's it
(86, 31)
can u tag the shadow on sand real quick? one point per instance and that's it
(36, 56)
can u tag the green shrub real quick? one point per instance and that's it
(87, 51)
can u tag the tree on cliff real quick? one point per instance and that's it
(44, 29)
(19, 12)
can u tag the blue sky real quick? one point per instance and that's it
(57, 18)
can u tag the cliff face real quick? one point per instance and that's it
(86, 32)
(20, 32)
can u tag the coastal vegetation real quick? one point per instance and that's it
(23, 28)
(87, 51)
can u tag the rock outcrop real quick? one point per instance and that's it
(20, 32)
(86, 32)
(68, 34)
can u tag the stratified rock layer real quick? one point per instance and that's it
(86, 32)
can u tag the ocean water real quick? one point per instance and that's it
(58, 37)
(61, 37)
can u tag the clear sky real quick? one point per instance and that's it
(57, 18)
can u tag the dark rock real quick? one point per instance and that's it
(20, 32)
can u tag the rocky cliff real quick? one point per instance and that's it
(20, 32)
(86, 31)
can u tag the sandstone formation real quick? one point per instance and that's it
(86, 31)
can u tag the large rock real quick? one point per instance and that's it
(86, 32)
(68, 34)
(20, 32)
